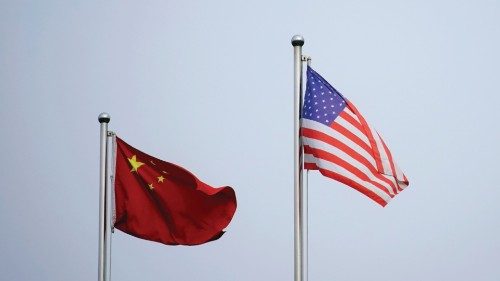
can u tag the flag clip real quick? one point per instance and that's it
(307, 59)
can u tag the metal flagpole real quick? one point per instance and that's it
(297, 43)
(305, 218)
(104, 119)
(305, 203)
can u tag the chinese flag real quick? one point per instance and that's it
(160, 201)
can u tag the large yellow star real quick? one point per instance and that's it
(160, 179)
(134, 163)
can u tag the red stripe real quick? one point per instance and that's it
(389, 155)
(368, 133)
(349, 182)
(310, 133)
(318, 153)
(350, 135)
(310, 166)
(346, 116)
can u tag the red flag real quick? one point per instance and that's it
(160, 201)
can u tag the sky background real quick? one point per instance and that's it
(209, 85)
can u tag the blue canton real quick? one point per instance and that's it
(322, 103)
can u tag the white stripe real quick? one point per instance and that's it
(393, 180)
(320, 127)
(386, 165)
(399, 173)
(349, 111)
(351, 128)
(314, 143)
(308, 158)
(397, 176)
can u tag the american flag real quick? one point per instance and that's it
(343, 146)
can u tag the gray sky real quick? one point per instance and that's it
(209, 85)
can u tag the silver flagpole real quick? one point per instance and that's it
(305, 195)
(297, 43)
(104, 119)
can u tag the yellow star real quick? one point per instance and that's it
(160, 179)
(134, 163)
(151, 186)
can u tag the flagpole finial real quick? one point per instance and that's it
(104, 117)
(297, 40)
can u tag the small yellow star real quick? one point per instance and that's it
(160, 179)
(134, 163)
(151, 186)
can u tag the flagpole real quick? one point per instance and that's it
(297, 43)
(305, 202)
(104, 119)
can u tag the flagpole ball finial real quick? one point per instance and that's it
(104, 117)
(297, 40)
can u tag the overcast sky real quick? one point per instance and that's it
(209, 85)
